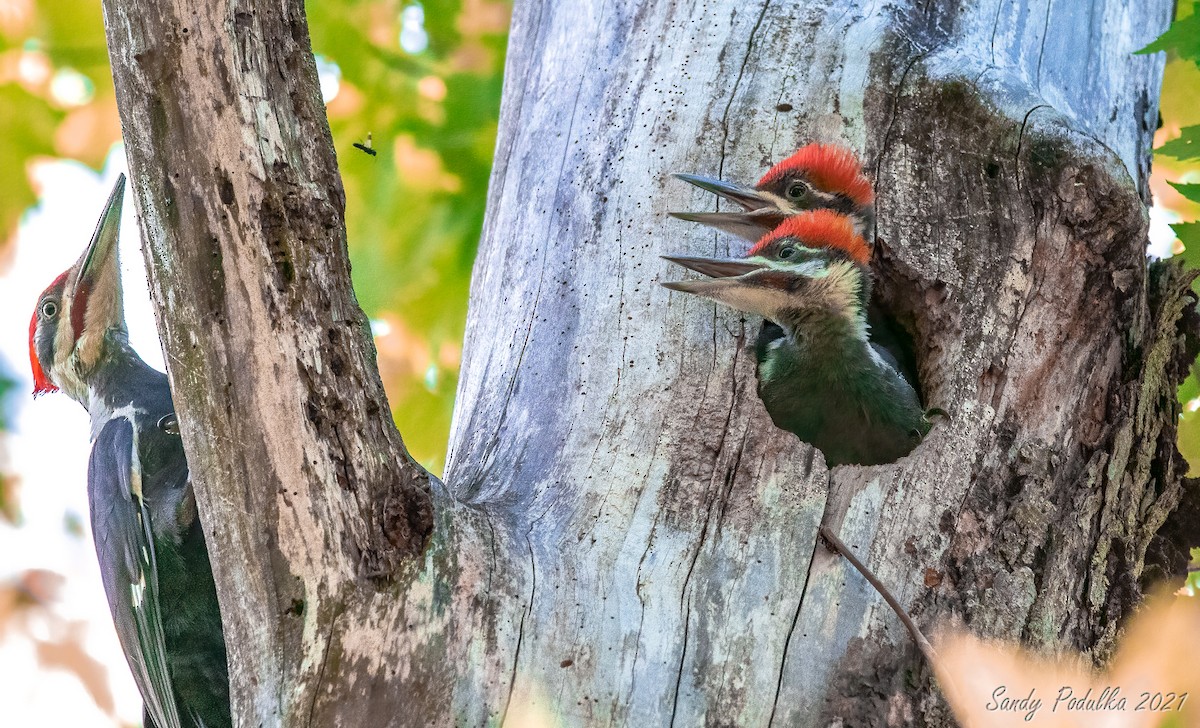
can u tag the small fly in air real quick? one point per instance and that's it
(366, 147)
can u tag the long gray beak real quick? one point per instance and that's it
(93, 291)
(715, 267)
(745, 225)
(759, 213)
(762, 290)
(724, 274)
(100, 253)
(747, 197)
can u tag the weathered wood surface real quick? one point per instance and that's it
(306, 493)
(624, 538)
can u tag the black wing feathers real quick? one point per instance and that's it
(121, 525)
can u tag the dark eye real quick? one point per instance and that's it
(787, 252)
(797, 190)
(49, 309)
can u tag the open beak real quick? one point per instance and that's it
(94, 287)
(748, 197)
(746, 285)
(759, 214)
(716, 267)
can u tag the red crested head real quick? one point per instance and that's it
(41, 382)
(832, 168)
(817, 229)
(69, 332)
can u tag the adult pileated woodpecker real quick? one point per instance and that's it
(153, 559)
(815, 177)
(821, 377)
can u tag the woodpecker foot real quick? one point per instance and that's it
(169, 424)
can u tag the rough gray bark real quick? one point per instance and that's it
(624, 537)
(309, 501)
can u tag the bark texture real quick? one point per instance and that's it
(624, 537)
(308, 498)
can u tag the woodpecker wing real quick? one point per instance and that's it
(128, 565)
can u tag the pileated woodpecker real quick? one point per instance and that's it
(153, 558)
(821, 377)
(815, 177)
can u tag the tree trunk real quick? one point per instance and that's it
(623, 536)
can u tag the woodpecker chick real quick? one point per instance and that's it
(825, 229)
(153, 558)
(821, 377)
(817, 176)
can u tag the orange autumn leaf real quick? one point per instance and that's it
(1153, 681)
(70, 655)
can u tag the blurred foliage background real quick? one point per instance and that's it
(1176, 187)
(421, 78)
(1176, 181)
(422, 81)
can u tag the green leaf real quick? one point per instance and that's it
(1189, 390)
(1190, 191)
(1183, 38)
(1189, 440)
(1193, 579)
(7, 386)
(1186, 146)
(1189, 234)
(29, 124)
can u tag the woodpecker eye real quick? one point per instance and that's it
(49, 309)
(787, 252)
(797, 190)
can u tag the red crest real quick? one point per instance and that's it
(831, 167)
(819, 229)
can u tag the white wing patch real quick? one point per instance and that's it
(135, 472)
